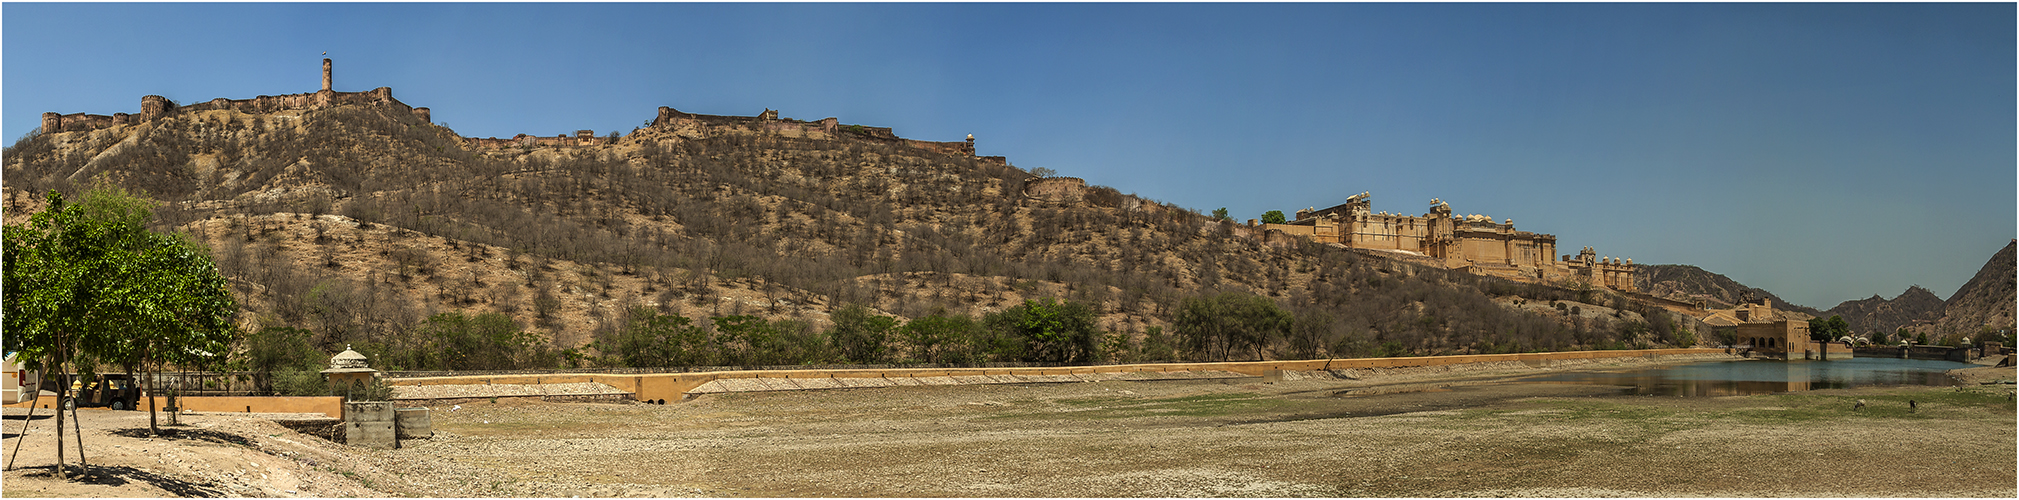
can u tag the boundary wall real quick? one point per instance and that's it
(327, 405)
(676, 386)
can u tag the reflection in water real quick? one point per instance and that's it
(1735, 378)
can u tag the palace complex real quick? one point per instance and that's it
(1471, 242)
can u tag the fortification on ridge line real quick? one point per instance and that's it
(668, 120)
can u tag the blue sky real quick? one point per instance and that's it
(1825, 152)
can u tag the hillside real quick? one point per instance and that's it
(1876, 314)
(1987, 300)
(358, 222)
(1682, 282)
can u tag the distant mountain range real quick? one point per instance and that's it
(1988, 299)
(1685, 282)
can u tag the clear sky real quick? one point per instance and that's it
(1825, 152)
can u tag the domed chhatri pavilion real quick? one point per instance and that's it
(348, 368)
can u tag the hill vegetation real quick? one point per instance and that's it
(353, 225)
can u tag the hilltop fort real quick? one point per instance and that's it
(671, 120)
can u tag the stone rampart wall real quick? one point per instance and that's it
(1067, 190)
(153, 107)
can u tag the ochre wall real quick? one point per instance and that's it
(327, 405)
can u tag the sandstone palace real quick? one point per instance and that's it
(1474, 243)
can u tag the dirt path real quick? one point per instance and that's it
(1456, 431)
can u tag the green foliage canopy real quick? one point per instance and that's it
(1052, 331)
(942, 338)
(1274, 217)
(1828, 330)
(860, 336)
(650, 339)
(92, 273)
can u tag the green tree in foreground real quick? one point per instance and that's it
(1274, 217)
(88, 280)
(1221, 214)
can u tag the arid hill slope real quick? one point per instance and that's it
(1683, 282)
(1876, 314)
(1987, 300)
(357, 223)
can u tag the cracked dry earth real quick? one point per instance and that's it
(1387, 434)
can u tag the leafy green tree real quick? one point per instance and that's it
(88, 280)
(1221, 214)
(282, 359)
(1052, 331)
(488, 341)
(942, 338)
(1827, 330)
(277, 348)
(650, 339)
(1274, 217)
(1216, 327)
(860, 336)
(752, 341)
(1156, 346)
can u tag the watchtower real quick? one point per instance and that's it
(326, 80)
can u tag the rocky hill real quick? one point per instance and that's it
(1876, 314)
(1687, 283)
(359, 221)
(1987, 300)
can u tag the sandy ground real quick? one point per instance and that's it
(1454, 431)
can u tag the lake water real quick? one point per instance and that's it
(1734, 378)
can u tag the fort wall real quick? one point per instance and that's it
(767, 122)
(1064, 190)
(155, 107)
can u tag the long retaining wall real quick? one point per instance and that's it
(676, 386)
(327, 405)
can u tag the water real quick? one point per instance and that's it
(1736, 378)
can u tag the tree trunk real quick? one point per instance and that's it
(62, 393)
(153, 429)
